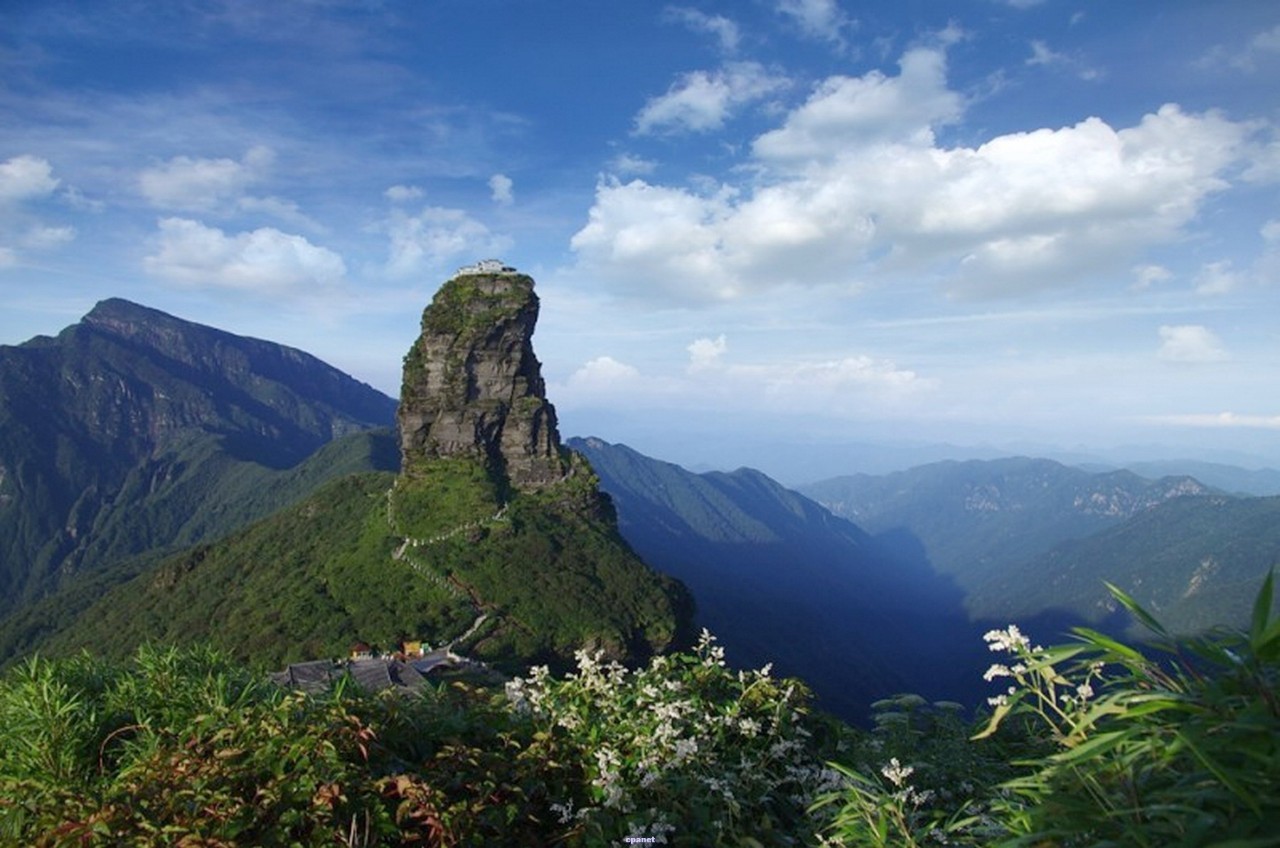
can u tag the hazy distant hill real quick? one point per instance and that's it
(1228, 478)
(780, 579)
(1025, 537)
(134, 430)
(980, 516)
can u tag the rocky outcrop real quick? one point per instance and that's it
(472, 385)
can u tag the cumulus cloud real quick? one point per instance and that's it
(705, 353)
(437, 236)
(198, 185)
(853, 186)
(1218, 278)
(703, 100)
(602, 374)
(262, 261)
(1190, 343)
(626, 164)
(724, 30)
(403, 193)
(1146, 276)
(26, 178)
(500, 186)
(46, 238)
(821, 20)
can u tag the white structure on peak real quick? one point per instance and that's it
(486, 266)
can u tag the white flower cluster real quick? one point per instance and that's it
(1010, 640)
(680, 722)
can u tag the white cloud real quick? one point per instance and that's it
(625, 164)
(26, 178)
(706, 353)
(280, 209)
(712, 382)
(1045, 56)
(852, 112)
(725, 30)
(203, 184)
(1220, 420)
(46, 238)
(602, 374)
(437, 236)
(852, 187)
(702, 101)
(500, 186)
(403, 193)
(1190, 343)
(821, 20)
(1146, 276)
(263, 261)
(1218, 278)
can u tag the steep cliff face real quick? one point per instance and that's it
(473, 387)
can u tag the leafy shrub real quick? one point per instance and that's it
(683, 749)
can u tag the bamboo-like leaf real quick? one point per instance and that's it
(1105, 642)
(1261, 611)
(1148, 620)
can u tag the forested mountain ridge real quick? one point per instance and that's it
(133, 429)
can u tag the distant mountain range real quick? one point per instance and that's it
(1022, 536)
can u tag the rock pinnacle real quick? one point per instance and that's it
(472, 385)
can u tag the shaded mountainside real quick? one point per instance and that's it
(492, 538)
(780, 579)
(1195, 562)
(978, 517)
(133, 430)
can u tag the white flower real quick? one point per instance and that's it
(1084, 692)
(896, 772)
(996, 670)
(1009, 639)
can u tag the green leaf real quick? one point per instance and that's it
(1100, 640)
(1148, 620)
(1261, 612)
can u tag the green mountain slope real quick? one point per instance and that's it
(135, 430)
(1195, 562)
(243, 491)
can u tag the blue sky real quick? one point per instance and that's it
(753, 224)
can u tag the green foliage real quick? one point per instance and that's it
(376, 558)
(465, 303)
(684, 750)
(186, 748)
(1094, 743)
